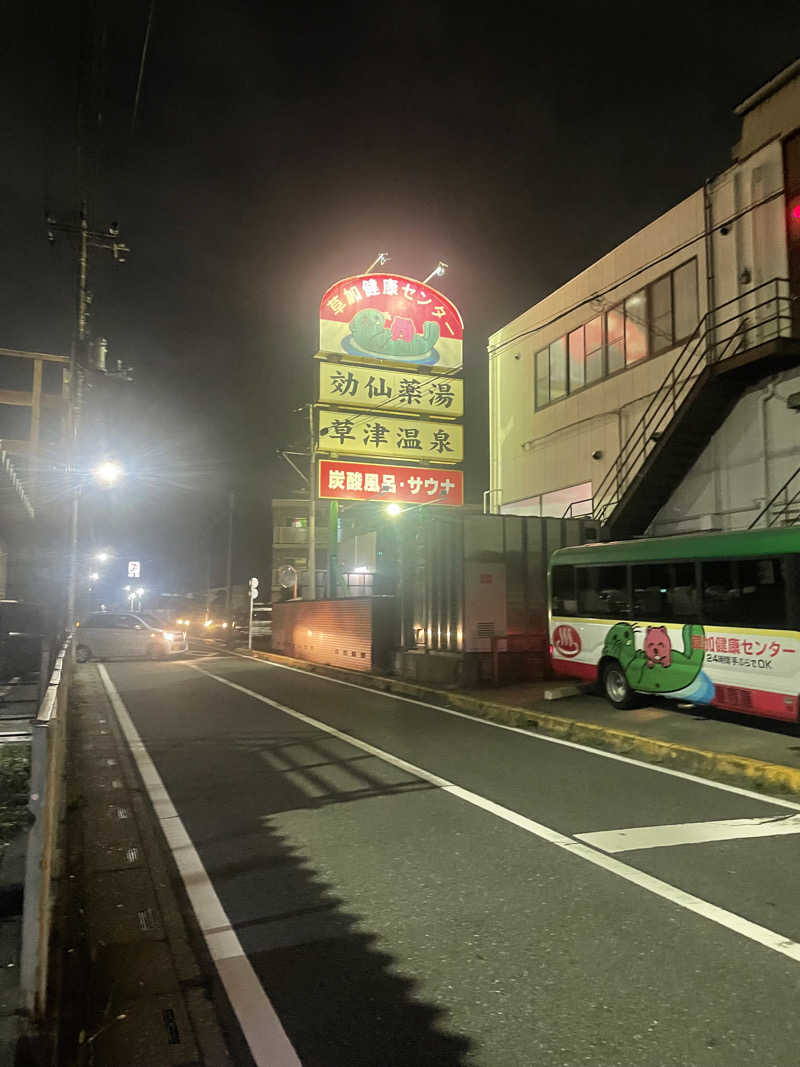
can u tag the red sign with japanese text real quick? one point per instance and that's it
(393, 319)
(405, 485)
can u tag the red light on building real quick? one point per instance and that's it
(796, 212)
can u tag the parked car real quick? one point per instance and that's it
(21, 630)
(104, 635)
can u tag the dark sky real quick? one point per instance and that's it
(280, 147)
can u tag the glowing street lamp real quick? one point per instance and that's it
(393, 509)
(108, 472)
(102, 557)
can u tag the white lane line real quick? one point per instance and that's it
(269, 1045)
(532, 736)
(690, 833)
(736, 923)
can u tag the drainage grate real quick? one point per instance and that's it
(132, 854)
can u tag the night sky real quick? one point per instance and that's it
(278, 148)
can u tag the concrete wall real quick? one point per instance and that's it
(744, 464)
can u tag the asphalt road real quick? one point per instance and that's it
(411, 886)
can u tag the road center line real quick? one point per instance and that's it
(736, 923)
(690, 833)
(269, 1045)
(531, 735)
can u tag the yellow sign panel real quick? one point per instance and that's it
(390, 390)
(377, 436)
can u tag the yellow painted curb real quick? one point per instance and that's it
(756, 774)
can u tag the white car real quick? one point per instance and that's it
(104, 635)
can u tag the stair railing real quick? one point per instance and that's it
(775, 510)
(719, 334)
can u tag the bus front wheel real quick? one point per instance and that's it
(615, 686)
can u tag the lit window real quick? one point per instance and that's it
(636, 327)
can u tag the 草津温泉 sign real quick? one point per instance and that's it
(390, 390)
(376, 436)
(343, 480)
(385, 317)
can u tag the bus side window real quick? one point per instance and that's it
(562, 581)
(603, 591)
(720, 595)
(682, 594)
(762, 593)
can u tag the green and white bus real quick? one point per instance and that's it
(702, 618)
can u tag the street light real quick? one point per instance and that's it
(393, 509)
(102, 557)
(108, 472)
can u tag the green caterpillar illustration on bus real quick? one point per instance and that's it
(708, 619)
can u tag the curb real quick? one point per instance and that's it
(705, 763)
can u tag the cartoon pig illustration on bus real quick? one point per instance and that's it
(657, 647)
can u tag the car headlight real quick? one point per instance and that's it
(167, 635)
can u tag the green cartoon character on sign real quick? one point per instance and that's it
(657, 667)
(400, 342)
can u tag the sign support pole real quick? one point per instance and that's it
(312, 508)
(333, 548)
(251, 598)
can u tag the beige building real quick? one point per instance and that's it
(657, 390)
(290, 544)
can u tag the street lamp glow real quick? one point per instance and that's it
(393, 509)
(108, 473)
(102, 557)
(94, 576)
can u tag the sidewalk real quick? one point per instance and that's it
(756, 753)
(136, 992)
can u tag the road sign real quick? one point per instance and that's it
(134, 568)
(253, 583)
(347, 480)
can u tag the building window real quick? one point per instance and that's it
(615, 335)
(684, 300)
(661, 334)
(636, 328)
(558, 368)
(543, 377)
(647, 323)
(577, 359)
(594, 350)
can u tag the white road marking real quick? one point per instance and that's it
(690, 833)
(730, 920)
(269, 1045)
(764, 798)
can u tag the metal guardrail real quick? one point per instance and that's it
(43, 859)
(756, 316)
(786, 509)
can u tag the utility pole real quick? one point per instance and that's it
(228, 587)
(79, 361)
(312, 507)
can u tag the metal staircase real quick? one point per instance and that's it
(732, 346)
(784, 507)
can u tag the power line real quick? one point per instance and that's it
(142, 61)
(495, 352)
